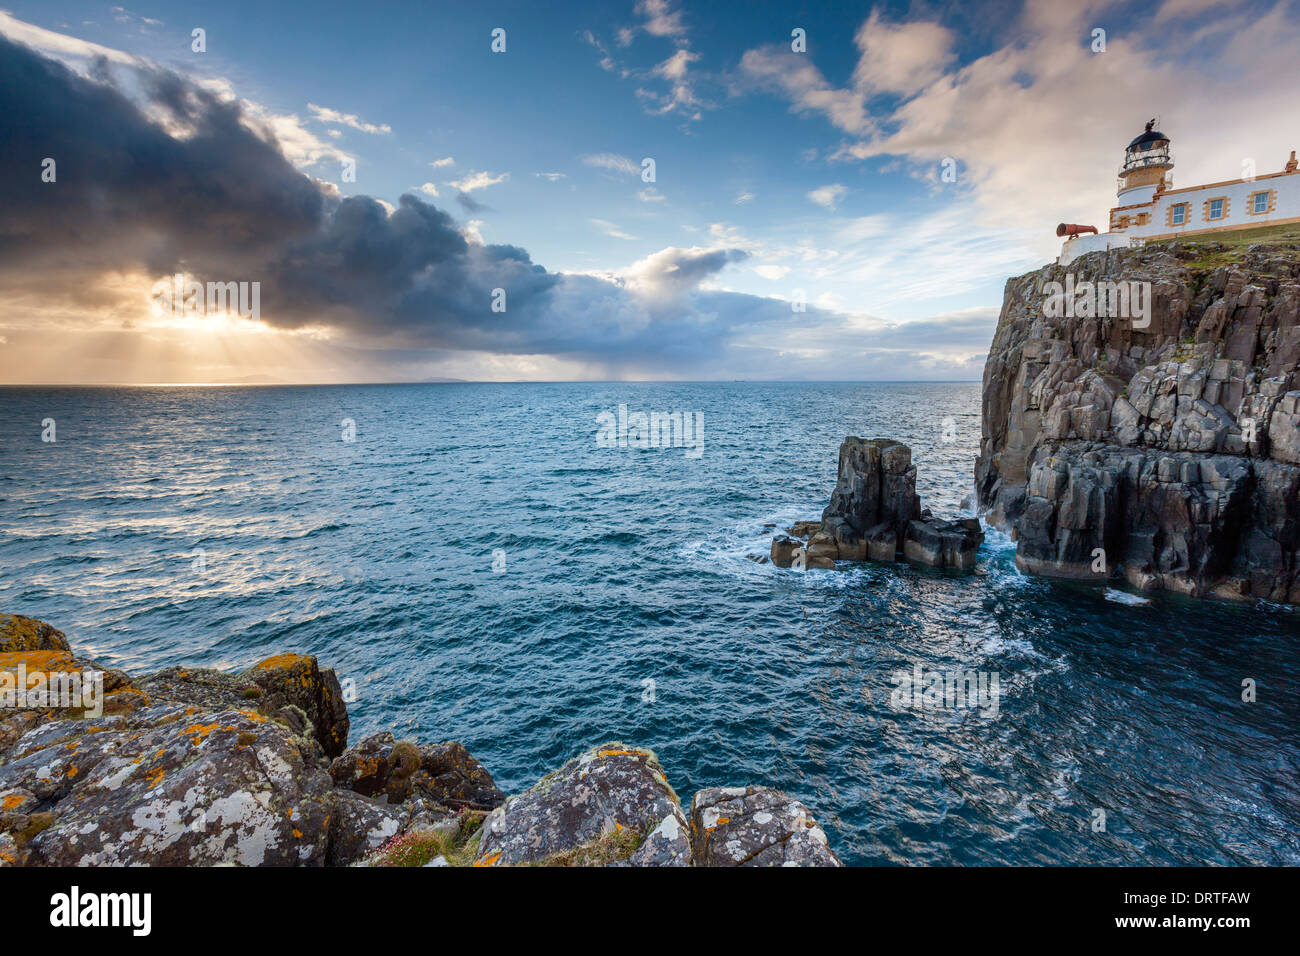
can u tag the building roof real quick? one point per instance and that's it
(1148, 138)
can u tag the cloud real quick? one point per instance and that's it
(900, 58)
(443, 163)
(551, 177)
(828, 196)
(58, 44)
(353, 285)
(429, 189)
(610, 229)
(1038, 124)
(469, 203)
(325, 115)
(650, 194)
(742, 198)
(660, 19)
(222, 203)
(479, 180)
(793, 75)
(613, 162)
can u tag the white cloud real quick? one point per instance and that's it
(772, 272)
(650, 194)
(300, 145)
(610, 229)
(660, 19)
(429, 189)
(828, 196)
(60, 45)
(743, 198)
(613, 162)
(443, 163)
(552, 177)
(479, 180)
(900, 58)
(794, 76)
(323, 114)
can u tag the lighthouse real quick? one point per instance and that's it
(1151, 209)
(1146, 165)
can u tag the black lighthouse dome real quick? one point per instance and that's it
(1148, 140)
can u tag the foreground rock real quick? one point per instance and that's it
(756, 826)
(611, 805)
(195, 767)
(875, 515)
(1169, 454)
(443, 774)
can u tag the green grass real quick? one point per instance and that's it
(418, 847)
(1226, 248)
(611, 847)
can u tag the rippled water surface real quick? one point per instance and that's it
(215, 526)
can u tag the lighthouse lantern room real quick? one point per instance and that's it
(1146, 166)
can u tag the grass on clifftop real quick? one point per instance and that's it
(1227, 248)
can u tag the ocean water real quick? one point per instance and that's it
(216, 526)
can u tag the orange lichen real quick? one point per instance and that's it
(55, 661)
(155, 777)
(13, 800)
(490, 861)
(281, 660)
(199, 732)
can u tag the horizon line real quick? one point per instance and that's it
(651, 381)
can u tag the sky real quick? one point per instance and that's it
(637, 190)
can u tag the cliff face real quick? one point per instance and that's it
(1163, 449)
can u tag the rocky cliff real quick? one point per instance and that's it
(197, 767)
(1158, 446)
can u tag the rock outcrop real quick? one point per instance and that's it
(1162, 449)
(756, 826)
(875, 515)
(195, 767)
(874, 496)
(612, 804)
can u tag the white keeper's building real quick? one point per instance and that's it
(1150, 208)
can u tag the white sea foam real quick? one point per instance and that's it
(1124, 597)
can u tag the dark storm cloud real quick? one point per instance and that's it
(158, 175)
(127, 192)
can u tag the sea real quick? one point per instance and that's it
(479, 564)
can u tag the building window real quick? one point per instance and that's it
(1261, 203)
(1178, 214)
(1216, 208)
